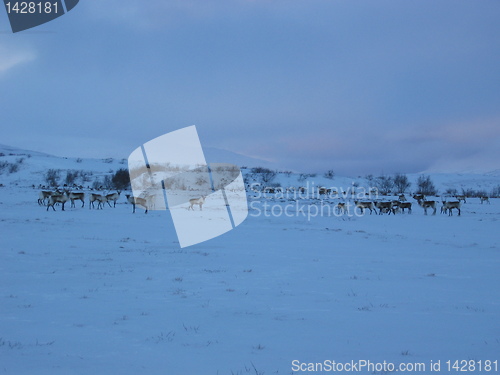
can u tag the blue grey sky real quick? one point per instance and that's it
(374, 86)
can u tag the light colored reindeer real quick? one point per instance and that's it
(449, 206)
(136, 200)
(76, 197)
(198, 201)
(99, 198)
(113, 197)
(428, 204)
(43, 196)
(364, 205)
(57, 198)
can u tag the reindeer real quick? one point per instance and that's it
(43, 195)
(461, 198)
(485, 199)
(324, 191)
(113, 197)
(57, 198)
(419, 197)
(443, 207)
(449, 206)
(401, 198)
(403, 205)
(365, 205)
(76, 197)
(97, 197)
(151, 201)
(428, 204)
(384, 207)
(198, 201)
(342, 208)
(136, 200)
(395, 207)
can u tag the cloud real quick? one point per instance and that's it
(12, 57)
(463, 132)
(464, 146)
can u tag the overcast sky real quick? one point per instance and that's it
(355, 86)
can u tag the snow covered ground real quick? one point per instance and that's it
(107, 291)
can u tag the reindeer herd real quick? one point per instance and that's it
(400, 205)
(97, 201)
(393, 206)
(51, 198)
(448, 204)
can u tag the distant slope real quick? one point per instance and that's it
(25, 168)
(9, 150)
(32, 166)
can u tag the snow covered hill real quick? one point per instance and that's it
(30, 167)
(26, 168)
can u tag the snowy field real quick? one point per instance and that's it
(107, 291)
